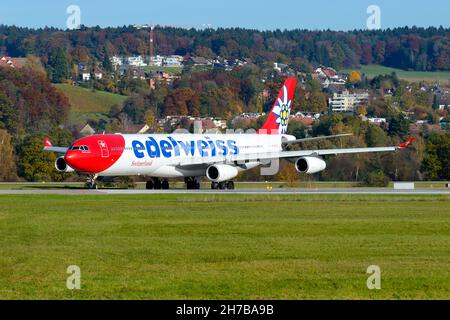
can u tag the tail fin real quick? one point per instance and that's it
(47, 142)
(277, 121)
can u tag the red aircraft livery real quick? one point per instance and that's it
(218, 157)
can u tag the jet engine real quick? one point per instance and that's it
(221, 172)
(62, 166)
(310, 165)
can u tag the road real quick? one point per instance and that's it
(239, 191)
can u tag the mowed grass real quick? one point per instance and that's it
(224, 246)
(176, 70)
(372, 71)
(86, 100)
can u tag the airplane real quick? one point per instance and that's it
(218, 157)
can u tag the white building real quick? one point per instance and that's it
(116, 61)
(158, 61)
(136, 61)
(377, 120)
(85, 76)
(347, 102)
(173, 61)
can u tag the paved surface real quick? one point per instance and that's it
(239, 191)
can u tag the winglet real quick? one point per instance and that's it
(406, 143)
(47, 142)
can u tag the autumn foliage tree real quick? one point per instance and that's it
(7, 161)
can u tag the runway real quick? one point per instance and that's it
(274, 191)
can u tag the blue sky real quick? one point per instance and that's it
(262, 14)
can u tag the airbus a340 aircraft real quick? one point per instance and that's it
(219, 157)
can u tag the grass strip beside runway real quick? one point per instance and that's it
(224, 246)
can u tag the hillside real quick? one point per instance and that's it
(404, 48)
(86, 101)
(372, 71)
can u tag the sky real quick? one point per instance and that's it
(262, 14)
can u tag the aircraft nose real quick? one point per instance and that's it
(71, 159)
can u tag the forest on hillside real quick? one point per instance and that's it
(409, 48)
(31, 106)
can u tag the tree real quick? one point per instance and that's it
(150, 119)
(107, 65)
(35, 164)
(354, 77)
(376, 179)
(436, 162)
(59, 66)
(361, 110)
(399, 126)
(375, 136)
(7, 163)
(60, 137)
(289, 175)
(9, 117)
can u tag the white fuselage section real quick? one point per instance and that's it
(160, 155)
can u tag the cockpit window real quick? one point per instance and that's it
(84, 148)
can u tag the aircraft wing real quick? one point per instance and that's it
(48, 146)
(256, 157)
(317, 138)
(56, 149)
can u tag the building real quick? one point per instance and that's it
(377, 121)
(199, 61)
(116, 62)
(418, 127)
(85, 73)
(137, 61)
(173, 61)
(85, 131)
(135, 129)
(133, 71)
(13, 62)
(157, 61)
(348, 102)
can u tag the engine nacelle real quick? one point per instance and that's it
(310, 165)
(221, 172)
(62, 166)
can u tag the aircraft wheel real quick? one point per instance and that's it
(214, 185)
(230, 185)
(222, 185)
(157, 184)
(165, 185)
(149, 185)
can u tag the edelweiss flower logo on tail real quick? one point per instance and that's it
(282, 110)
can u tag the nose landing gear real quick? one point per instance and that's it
(91, 182)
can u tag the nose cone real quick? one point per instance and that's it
(78, 161)
(95, 154)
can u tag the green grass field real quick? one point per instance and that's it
(85, 100)
(224, 246)
(372, 71)
(173, 70)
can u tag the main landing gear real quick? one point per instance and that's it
(192, 183)
(157, 184)
(224, 185)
